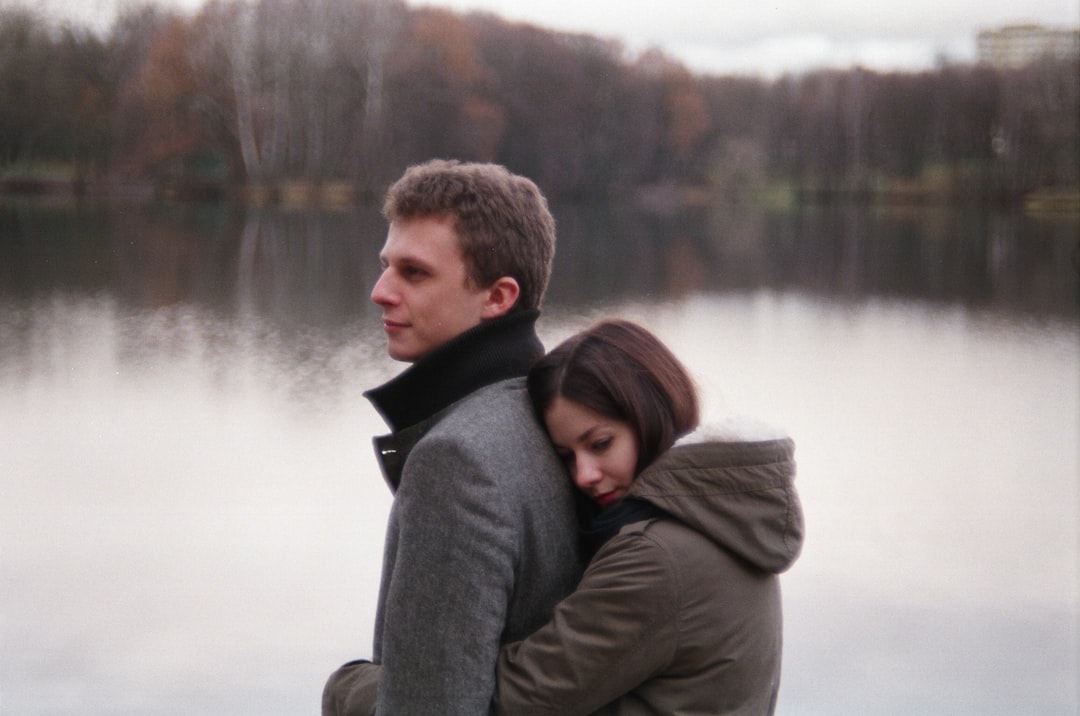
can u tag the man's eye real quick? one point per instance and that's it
(413, 273)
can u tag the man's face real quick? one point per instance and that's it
(423, 291)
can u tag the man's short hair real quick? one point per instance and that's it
(501, 219)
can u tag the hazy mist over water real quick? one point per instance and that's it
(191, 517)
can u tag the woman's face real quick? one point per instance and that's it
(600, 453)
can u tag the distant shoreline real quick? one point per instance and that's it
(300, 194)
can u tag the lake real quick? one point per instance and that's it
(191, 517)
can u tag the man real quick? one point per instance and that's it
(482, 536)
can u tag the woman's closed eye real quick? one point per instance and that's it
(601, 445)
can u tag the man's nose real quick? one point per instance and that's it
(382, 292)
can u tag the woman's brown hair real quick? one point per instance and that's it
(620, 370)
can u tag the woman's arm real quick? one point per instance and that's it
(352, 690)
(610, 635)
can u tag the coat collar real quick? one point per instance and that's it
(495, 350)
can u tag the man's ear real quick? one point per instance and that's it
(501, 297)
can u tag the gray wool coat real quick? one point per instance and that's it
(481, 544)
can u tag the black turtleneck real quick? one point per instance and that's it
(607, 523)
(495, 350)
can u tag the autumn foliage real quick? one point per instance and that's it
(351, 91)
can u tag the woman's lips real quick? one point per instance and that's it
(607, 498)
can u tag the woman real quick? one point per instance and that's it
(679, 609)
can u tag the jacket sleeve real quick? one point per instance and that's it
(351, 690)
(447, 599)
(609, 636)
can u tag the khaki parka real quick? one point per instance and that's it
(679, 614)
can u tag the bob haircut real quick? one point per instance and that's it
(621, 371)
(502, 221)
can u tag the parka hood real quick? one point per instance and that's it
(738, 491)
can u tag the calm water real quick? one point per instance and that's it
(191, 519)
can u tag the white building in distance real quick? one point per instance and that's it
(1020, 45)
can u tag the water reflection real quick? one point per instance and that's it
(316, 268)
(1008, 262)
(191, 518)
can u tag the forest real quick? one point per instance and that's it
(275, 99)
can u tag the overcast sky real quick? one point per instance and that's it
(765, 37)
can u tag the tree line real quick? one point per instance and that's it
(348, 92)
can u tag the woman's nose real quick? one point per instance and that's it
(586, 472)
